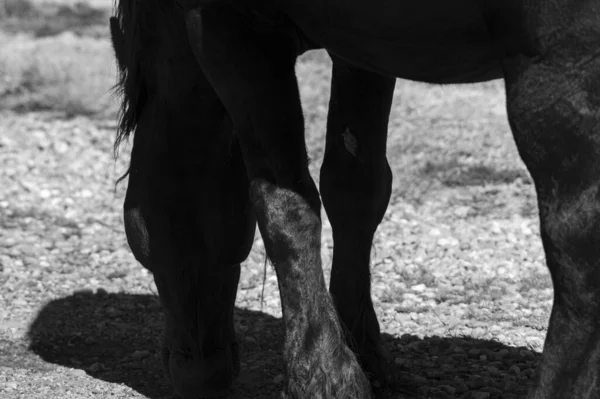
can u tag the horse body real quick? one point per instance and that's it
(211, 90)
(431, 41)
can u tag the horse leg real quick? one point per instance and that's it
(355, 187)
(553, 100)
(251, 68)
(188, 220)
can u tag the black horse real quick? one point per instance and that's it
(210, 90)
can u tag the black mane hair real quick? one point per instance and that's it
(126, 40)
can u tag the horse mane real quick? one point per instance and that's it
(131, 87)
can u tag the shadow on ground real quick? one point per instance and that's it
(116, 338)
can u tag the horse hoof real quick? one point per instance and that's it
(235, 358)
(377, 364)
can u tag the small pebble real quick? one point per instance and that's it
(78, 372)
(418, 287)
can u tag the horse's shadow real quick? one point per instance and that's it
(116, 338)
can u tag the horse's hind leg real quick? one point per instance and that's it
(355, 186)
(553, 98)
(188, 219)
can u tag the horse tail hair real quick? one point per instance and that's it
(130, 87)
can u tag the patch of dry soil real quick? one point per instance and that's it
(459, 281)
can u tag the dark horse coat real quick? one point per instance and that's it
(209, 88)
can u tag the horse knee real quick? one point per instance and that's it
(240, 237)
(137, 235)
(238, 214)
(289, 220)
(347, 174)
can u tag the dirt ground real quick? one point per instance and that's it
(458, 274)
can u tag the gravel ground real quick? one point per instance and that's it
(458, 275)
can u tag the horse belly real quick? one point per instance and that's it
(436, 41)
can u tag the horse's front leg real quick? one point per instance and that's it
(356, 183)
(252, 70)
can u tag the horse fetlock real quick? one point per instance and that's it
(573, 373)
(364, 338)
(319, 364)
(327, 373)
(200, 357)
(376, 361)
(195, 377)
